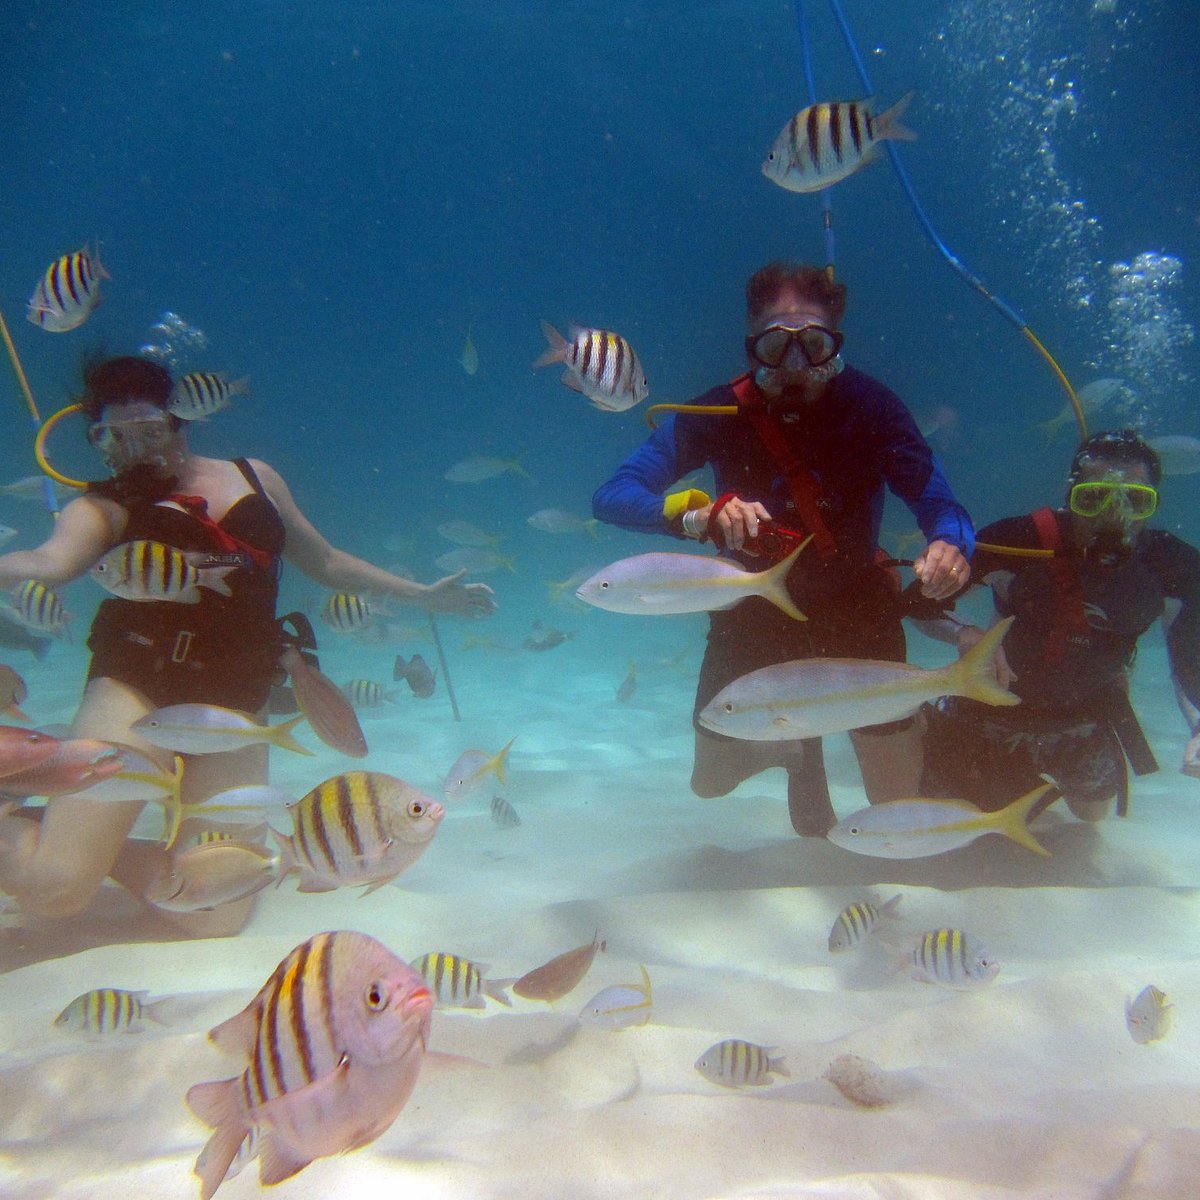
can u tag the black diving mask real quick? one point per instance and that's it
(771, 346)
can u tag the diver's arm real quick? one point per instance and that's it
(84, 530)
(309, 551)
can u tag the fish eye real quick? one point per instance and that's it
(604, 585)
(416, 808)
(727, 707)
(854, 829)
(376, 996)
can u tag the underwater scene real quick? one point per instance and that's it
(514, 685)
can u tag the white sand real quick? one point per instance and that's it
(1030, 1087)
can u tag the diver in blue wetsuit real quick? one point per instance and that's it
(1083, 584)
(804, 446)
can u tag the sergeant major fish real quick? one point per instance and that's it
(1148, 1017)
(458, 982)
(105, 1011)
(825, 143)
(600, 365)
(346, 612)
(735, 1063)
(68, 292)
(152, 571)
(199, 394)
(953, 959)
(333, 1044)
(855, 922)
(38, 608)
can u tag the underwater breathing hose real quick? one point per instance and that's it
(39, 449)
(811, 84)
(48, 487)
(1002, 306)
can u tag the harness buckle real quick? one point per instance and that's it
(182, 646)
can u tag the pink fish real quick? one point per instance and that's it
(333, 1044)
(22, 749)
(74, 765)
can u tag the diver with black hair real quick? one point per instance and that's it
(801, 445)
(1083, 583)
(224, 649)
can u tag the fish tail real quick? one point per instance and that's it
(774, 583)
(240, 387)
(281, 735)
(973, 675)
(173, 804)
(213, 578)
(887, 124)
(216, 1105)
(500, 761)
(498, 990)
(287, 855)
(1011, 821)
(778, 1066)
(558, 347)
(1049, 429)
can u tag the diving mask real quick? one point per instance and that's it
(1128, 501)
(140, 439)
(771, 347)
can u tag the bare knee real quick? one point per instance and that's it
(52, 890)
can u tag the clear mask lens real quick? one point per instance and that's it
(816, 344)
(1133, 501)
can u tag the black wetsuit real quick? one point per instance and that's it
(223, 650)
(1071, 645)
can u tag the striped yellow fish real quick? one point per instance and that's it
(856, 921)
(458, 982)
(600, 365)
(346, 612)
(332, 1043)
(199, 394)
(147, 571)
(67, 293)
(735, 1063)
(825, 143)
(950, 957)
(105, 1011)
(39, 608)
(360, 827)
(366, 693)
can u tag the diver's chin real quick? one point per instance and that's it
(1108, 551)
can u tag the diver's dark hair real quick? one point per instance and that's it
(122, 379)
(809, 282)
(1121, 448)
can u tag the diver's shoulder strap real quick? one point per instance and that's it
(800, 479)
(251, 477)
(1069, 611)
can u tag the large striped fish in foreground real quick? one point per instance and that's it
(149, 571)
(360, 827)
(919, 828)
(332, 1046)
(825, 143)
(815, 696)
(666, 584)
(67, 293)
(600, 365)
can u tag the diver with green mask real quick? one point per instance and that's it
(1084, 582)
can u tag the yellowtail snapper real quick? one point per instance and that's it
(620, 1006)
(211, 729)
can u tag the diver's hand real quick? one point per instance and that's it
(738, 520)
(1191, 756)
(451, 595)
(942, 570)
(969, 637)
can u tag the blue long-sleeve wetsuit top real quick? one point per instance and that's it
(856, 438)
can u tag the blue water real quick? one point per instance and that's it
(335, 193)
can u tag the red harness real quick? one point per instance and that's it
(196, 507)
(1069, 616)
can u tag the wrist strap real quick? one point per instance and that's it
(712, 533)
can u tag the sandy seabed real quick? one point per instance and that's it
(1029, 1087)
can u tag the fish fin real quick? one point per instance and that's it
(281, 735)
(376, 884)
(1011, 821)
(973, 675)
(887, 124)
(558, 347)
(155, 1009)
(890, 908)
(568, 380)
(778, 1065)
(647, 991)
(240, 387)
(287, 855)
(238, 1035)
(314, 883)
(213, 578)
(500, 758)
(498, 990)
(173, 804)
(296, 1111)
(216, 1104)
(278, 1162)
(773, 583)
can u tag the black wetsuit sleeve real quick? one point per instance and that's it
(1178, 566)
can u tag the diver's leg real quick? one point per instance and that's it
(890, 759)
(721, 763)
(809, 805)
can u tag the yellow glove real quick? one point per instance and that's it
(675, 504)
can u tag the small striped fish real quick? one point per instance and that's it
(459, 983)
(67, 293)
(504, 814)
(105, 1011)
(39, 608)
(346, 612)
(199, 394)
(147, 571)
(735, 1063)
(825, 143)
(360, 827)
(600, 365)
(335, 1038)
(366, 693)
(950, 957)
(856, 921)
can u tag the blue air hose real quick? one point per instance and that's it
(810, 81)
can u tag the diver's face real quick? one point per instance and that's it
(138, 432)
(1115, 522)
(800, 370)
